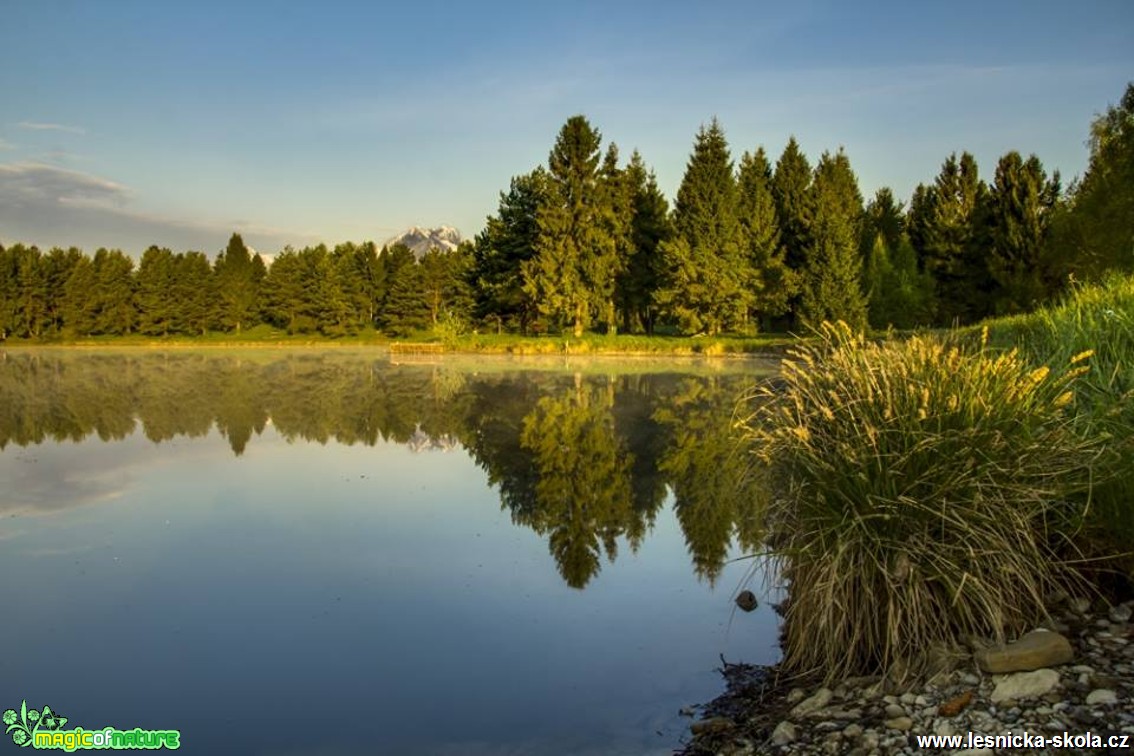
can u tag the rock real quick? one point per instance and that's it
(974, 752)
(687, 711)
(943, 728)
(1025, 685)
(1036, 650)
(1102, 697)
(899, 723)
(894, 710)
(1120, 613)
(852, 731)
(796, 695)
(746, 600)
(712, 724)
(811, 705)
(956, 704)
(784, 733)
(1080, 605)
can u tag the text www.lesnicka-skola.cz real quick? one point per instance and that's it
(1024, 740)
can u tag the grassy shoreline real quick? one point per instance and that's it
(503, 344)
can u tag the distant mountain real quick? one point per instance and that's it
(421, 240)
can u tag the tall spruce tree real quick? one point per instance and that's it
(707, 272)
(509, 240)
(791, 189)
(953, 244)
(773, 283)
(156, 303)
(238, 282)
(616, 214)
(1020, 204)
(832, 281)
(638, 283)
(572, 275)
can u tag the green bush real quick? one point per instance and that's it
(919, 494)
(1099, 318)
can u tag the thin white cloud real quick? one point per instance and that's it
(41, 126)
(51, 206)
(27, 183)
(6, 145)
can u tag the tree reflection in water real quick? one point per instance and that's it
(583, 459)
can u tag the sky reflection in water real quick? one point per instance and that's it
(301, 554)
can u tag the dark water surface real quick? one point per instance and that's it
(325, 553)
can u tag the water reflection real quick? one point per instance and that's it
(583, 458)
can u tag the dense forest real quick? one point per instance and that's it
(589, 242)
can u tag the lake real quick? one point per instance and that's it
(330, 552)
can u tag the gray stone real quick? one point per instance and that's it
(811, 705)
(784, 733)
(1120, 613)
(899, 723)
(1036, 650)
(852, 731)
(796, 695)
(1025, 685)
(893, 710)
(1102, 697)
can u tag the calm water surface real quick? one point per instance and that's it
(292, 553)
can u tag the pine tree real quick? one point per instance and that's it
(509, 240)
(193, 286)
(238, 279)
(791, 189)
(953, 244)
(114, 309)
(572, 275)
(638, 283)
(899, 295)
(883, 216)
(832, 283)
(773, 283)
(707, 271)
(155, 284)
(1020, 205)
(616, 215)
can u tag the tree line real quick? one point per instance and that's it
(588, 242)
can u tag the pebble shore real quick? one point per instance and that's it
(1074, 677)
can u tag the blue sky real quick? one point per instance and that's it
(130, 123)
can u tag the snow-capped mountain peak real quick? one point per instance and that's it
(421, 240)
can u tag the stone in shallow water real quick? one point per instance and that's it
(713, 724)
(746, 600)
(1036, 650)
(1024, 685)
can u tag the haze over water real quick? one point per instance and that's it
(330, 553)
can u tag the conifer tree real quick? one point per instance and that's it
(1020, 203)
(155, 283)
(707, 271)
(572, 275)
(772, 283)
(499, 252)
(832, 282)
(649, 227)
(791, 189)
(194, 292)
(238, 282)
(953, 245)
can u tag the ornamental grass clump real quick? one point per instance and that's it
(919, 495)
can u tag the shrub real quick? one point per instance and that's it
(1101, 318)
(918, 492)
